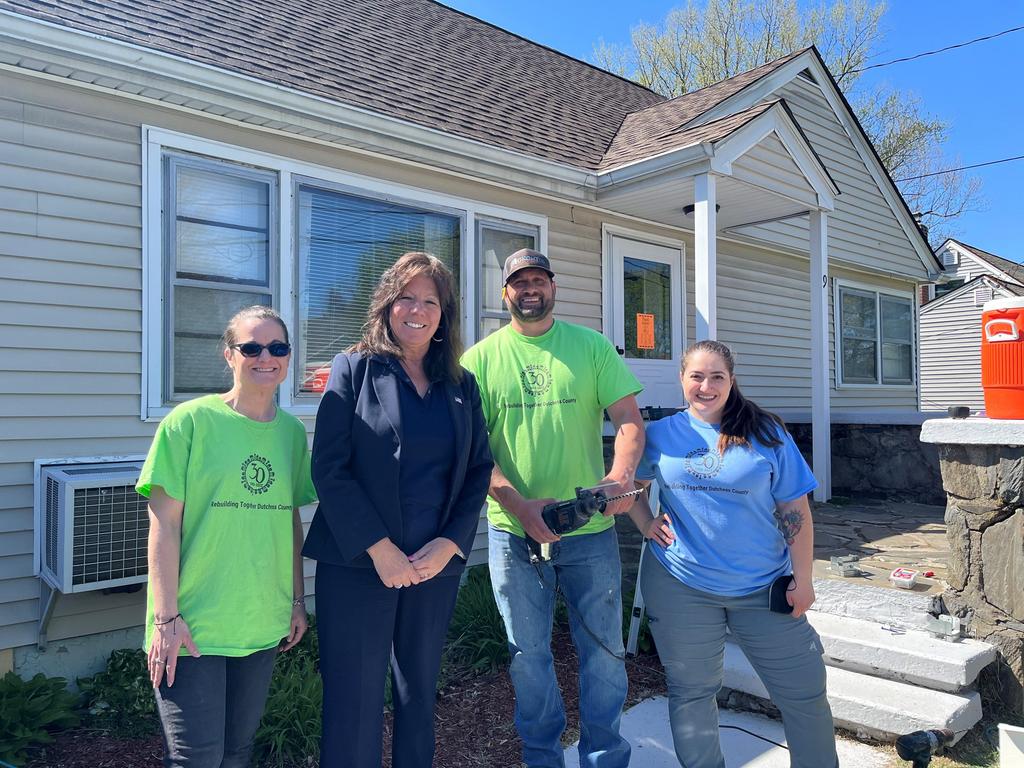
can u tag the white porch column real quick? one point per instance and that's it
(705, 257)
(821, 421)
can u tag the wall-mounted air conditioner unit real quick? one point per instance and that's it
(93, 526)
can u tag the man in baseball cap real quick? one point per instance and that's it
(525, 258)
(544, 386)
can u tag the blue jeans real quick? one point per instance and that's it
(587, 570)
(689, 630)
(210, 714)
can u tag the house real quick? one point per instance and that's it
(163, 163)
(950, 323)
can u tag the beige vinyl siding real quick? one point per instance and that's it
(764, 315)
(769, 165)
(70, 319)
(862, 230)
(853, 398)
(950, 351)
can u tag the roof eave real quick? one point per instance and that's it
(127, 64)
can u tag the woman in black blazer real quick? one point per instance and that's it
(401, 467)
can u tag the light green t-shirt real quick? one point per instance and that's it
(240, 480)
(543, 399)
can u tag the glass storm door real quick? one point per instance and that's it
(648, 316)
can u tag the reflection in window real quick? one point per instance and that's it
(344, 245)
(219, 229)
(647, 307)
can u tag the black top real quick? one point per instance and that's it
(427, 456)
(356, 452)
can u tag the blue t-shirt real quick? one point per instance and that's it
(722, 508)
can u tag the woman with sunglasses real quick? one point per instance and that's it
(225, 477)
(401, 466)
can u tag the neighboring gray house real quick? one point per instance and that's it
(164, 162)
(950, 323)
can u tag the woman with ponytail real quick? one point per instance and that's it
(731, 551)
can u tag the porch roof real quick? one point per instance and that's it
(766, 168)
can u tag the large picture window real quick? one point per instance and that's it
(344, 244)
(220, 241)
(875, 337)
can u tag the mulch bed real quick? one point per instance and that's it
(474, 721)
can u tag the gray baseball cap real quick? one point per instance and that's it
(525, 258)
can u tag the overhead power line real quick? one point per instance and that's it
(938, 50)
(962, 168)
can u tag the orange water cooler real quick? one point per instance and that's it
(1002, 358)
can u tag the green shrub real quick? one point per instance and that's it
(120, 698)
(289, 733)
(29, 710)
(476, 636)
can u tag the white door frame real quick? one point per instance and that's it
(612, 289)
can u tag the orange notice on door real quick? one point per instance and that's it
(644, 331)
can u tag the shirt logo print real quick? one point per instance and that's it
(536, 379)
(703, 463)
(257, 474)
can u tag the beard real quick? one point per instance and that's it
(533, 313)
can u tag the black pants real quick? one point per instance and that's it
(361, 625)
(210, 714)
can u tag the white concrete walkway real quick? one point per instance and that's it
(646, 727)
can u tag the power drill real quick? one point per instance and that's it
(566, 516)
(919, 746)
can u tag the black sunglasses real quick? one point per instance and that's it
(252, 349)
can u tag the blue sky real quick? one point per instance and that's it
(978, 90)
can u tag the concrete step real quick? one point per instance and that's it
(869, 706)
(906, 609)
(908, 656)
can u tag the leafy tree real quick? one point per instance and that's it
(698, 45)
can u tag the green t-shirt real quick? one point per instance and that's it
(543, 399)
(240, 480)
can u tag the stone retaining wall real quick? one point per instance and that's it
(985, 526)
(879, 461)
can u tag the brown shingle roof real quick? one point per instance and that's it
(632, 145)
(415, 60)
(648, 126)
(1012, 268)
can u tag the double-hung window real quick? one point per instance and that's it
(495, 241)
(220, 241)
(875, 337)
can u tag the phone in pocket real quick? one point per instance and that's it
(777, 594)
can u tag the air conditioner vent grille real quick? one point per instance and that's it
(52, 517)
(110, 533)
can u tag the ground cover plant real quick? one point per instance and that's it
(29, 711)
(120, 698)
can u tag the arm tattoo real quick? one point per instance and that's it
(789, 522)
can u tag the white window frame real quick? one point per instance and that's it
(837, 285)
(156, 141)
(502, 225)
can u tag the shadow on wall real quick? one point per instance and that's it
(880, 461)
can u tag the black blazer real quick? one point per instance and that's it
(356, 449)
